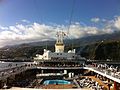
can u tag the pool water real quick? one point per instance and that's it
(47, 82)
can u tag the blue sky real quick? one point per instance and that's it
(56, 11)
(24, 21)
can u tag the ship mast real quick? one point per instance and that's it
(59, 46)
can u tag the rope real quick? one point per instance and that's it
(71, 15)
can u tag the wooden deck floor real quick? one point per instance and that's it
(99, 81)
(60, 86)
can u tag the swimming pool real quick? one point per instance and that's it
(47, 82)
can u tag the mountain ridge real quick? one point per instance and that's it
(79, 41)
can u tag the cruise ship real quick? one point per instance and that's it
(59, 70)
(59, 54)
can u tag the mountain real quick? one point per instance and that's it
(80, 41)
(84, 46)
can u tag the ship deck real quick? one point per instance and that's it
(102, 72)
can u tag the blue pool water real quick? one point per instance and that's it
(47, 82)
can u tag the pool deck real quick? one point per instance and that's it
(17, 88)
(62, 86)
(99, 81)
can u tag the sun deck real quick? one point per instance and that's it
(91, 68)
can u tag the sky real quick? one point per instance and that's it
(24, 21)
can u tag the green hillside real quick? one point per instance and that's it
(99, 51)
(102, 51)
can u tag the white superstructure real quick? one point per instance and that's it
(59, 50)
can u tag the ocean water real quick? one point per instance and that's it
(5, 65)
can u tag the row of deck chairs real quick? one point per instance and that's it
(89, 83)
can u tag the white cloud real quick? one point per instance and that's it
(117, 22)
(26, 21)
(95, 20)
(21, 33)
(103, 20)
(3, 28)
(26, 33)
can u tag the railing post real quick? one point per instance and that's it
(116, 86)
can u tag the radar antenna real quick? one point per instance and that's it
(60, 36)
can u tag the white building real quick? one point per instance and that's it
(59, 51)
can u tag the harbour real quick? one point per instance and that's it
(59, 44)
(59, 70)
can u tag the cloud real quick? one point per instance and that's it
(25, 21)
(25, 33)
(103, 20)
(117, 22)
(3, 28)
(95, 20)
